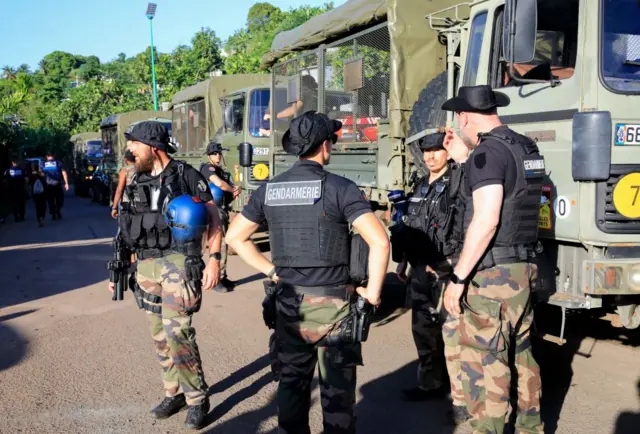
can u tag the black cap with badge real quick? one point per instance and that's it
(151, 133)
(432, 142)
(309, 131)
(215, 148)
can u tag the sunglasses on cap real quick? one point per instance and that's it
(216, 153)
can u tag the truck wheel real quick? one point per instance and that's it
(428, 114)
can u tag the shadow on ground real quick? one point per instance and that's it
(628, 422)
(13, 345)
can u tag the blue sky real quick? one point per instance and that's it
(31, 29)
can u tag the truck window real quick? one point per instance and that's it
(258, 107)
(197, 126)
(556, 46)
(620, 56)
(179, 129)
(475, 47)
(234, 114)
(110, 139)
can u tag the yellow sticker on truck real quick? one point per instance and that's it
(626, 196)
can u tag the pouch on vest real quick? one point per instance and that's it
(359, 259)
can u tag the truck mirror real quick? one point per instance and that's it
(591, 146)
(245, 152)
(519, 33)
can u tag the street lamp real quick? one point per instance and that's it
(151, 12)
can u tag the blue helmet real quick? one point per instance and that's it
(217, 193)
(187, 218)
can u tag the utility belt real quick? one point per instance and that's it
(508, 255)
(352, 330)
(189, 249)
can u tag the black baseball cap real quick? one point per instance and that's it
(150, 133)
(476, 99)
(432, 142)
(215, 147)
(309, 131)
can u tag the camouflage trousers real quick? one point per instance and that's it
(426, 327)
(224, 225)
(494, 335)
(173, 335)
(302, 321)
(452, 354)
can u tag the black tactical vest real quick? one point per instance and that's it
(518, 228)
(429, 222)
(301, 234)
(146, 230)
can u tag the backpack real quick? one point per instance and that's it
(38, 188)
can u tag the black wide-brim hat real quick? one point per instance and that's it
(150, 133)
(476, 99)
(432, 142)
(309, 131)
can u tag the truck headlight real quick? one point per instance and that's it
(633, 277)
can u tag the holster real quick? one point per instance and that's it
(354, 328)
(135, 288)
(269, 303)
(194, 270)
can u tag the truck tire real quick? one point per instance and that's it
(427, 114)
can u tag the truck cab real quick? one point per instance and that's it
(572, 72)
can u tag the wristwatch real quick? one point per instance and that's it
(216, 255)
(457, 280)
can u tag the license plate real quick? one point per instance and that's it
(627, 134)
(260, 151)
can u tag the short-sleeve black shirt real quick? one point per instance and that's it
(195, 182)
(343, 200)
(491, 163)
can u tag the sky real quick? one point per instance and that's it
(31, 29)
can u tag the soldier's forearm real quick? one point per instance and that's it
(214, 234)
(249, 253)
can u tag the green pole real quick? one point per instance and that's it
(153, 69)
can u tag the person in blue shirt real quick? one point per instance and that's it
(55, 175)
(16, 183)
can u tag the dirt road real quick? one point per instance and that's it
(73, 361)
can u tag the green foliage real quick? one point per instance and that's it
(68, 93)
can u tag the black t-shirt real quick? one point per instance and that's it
(15, 178)
(195, 182)
(491, 163)
(342, 201)
(208, 169)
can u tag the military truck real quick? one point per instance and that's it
(114, 144)
(218, 106)
(87, 152)
(572, 71)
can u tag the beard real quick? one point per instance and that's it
(467, 140)
(144, 165)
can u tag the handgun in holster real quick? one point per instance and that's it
(269, 303)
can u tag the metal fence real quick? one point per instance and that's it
(348, 80)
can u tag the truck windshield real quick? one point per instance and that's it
(257, 109)
(620, 57)
(94, 148)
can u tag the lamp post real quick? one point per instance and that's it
(151, 12)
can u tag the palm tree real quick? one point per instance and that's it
(8, 72)
(24, 68)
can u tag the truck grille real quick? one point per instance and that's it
(608, 219)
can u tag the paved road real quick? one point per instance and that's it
(73, 361)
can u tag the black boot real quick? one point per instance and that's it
(459, 414)
(169, 406)
(196, 415)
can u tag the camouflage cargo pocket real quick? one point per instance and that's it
(482, 325)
